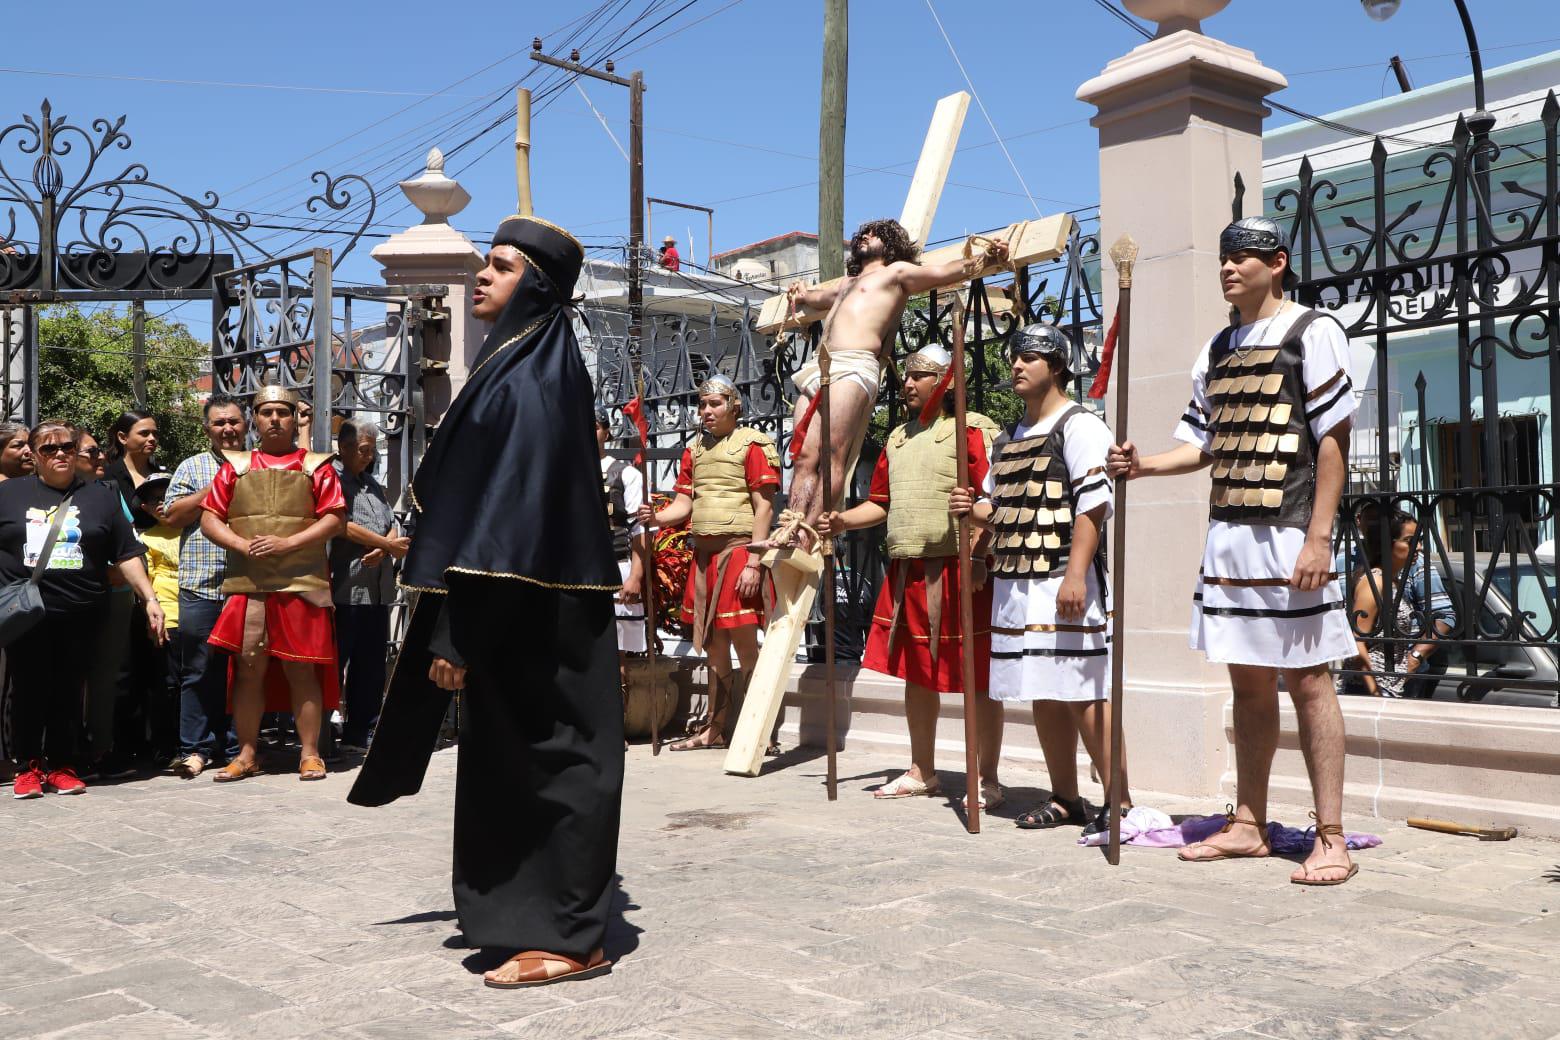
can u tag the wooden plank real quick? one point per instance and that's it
(796, 586)
(931, 170)
(1029, 242)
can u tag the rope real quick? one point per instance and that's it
(976, 94)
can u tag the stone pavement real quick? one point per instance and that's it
(751, 910)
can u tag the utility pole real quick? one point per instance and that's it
(636, 176)
(831, 141)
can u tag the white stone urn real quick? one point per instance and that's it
(1175, 15)
(438, 197)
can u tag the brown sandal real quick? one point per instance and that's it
(1230, 820)
(1324, 831)
(233, 772)
(533, 969)
(311, 768)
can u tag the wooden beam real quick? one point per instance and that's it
(931, 171)
(1029, 242)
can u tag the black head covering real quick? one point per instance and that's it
(513, 466)
(1259, 235)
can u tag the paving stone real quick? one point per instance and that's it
(750, 910)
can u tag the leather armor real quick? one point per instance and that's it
(722, 503)
(922, 470)
(1032, 504)
(278, 502)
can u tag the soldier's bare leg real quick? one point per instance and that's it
(308, 705)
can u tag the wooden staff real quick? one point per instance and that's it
(1123, 254)
(966, 588)
(647, 594)
(826, 467)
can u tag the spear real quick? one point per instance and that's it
(966, 591)
(1124, 255)
(647, 593)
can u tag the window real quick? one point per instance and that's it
(1519, 459)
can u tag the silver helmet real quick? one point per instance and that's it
(1259, 235)
(931, 359)
(722, 384)
(1048, 341)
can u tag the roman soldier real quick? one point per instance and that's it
(726, 485)
(624, 489)
(1271, 409)
(915, 633)
(273, 509)
(1045, 500)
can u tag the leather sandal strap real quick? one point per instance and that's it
(1231, 819)
(1327, 830)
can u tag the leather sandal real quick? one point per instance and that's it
(311, 768)
(1325, 831)
(534, 969)
(1057, 812)
(235, 771)
(1230, 820)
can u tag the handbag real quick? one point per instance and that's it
(21, 603)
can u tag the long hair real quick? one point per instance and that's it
(1395, 522)
(124, 424)
(896, 244)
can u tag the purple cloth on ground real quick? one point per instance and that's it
(1194, 829)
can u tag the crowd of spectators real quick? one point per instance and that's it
(117, 680)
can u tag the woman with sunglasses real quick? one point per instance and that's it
(48, 662)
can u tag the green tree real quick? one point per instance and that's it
(86, 374)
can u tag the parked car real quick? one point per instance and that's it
(1526, 675)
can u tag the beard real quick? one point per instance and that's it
(861, 252)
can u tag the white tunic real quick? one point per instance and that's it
(631, 616)
(1034, 654)
(1270, 624)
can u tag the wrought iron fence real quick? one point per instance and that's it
(679, 351)
(1462, 241)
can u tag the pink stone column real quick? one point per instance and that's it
(1178, 117)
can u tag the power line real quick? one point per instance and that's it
(226, 83)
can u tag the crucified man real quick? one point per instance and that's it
(864, 309)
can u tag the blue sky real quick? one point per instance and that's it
(731, 109)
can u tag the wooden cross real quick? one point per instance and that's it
(1029, 241)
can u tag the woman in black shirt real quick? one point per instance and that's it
(48, 662)
(131, 447)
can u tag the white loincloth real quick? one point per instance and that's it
(630, 619)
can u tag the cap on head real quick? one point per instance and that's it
(721, 384)
(547, 247)
(930, 360)
(1046, 340)
(1262, 235)
(274, 394)
(603, 419)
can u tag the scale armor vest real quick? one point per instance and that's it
(722, 506)
(617, 509)
(277, 502)
(1264, 469)
(923, 468)
(1032, 504)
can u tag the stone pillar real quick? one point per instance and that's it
(1178, 117)
(434, 252)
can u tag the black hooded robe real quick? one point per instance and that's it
(514, 587)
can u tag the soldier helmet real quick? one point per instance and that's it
(274, 394)
(719, 383)
(1259, 235)
(1048, 341)
(931, 359)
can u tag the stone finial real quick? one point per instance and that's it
(437, 196)
(1175, 15)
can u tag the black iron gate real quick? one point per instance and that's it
(1459, 241)
(679, 352)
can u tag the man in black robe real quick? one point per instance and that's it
(515, 609)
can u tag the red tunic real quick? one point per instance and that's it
(911, 659)
(296, 630)
(731, 610)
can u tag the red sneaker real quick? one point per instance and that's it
(29, 783)
(64, 781)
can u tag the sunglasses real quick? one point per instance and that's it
(92, 453)
(48, 451)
